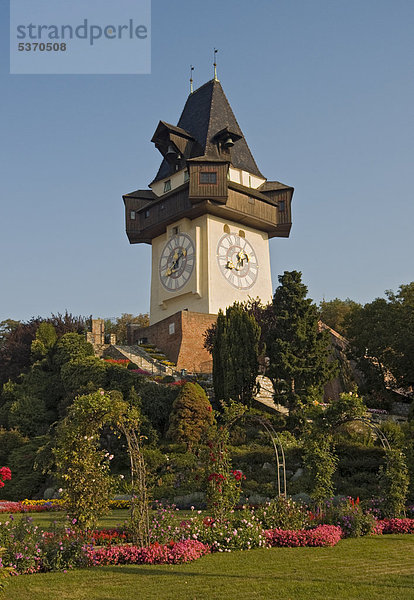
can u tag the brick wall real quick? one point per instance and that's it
(192, 351)
(180, 337)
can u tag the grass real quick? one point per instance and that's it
(113, 519)
(370, 568)
(45, 519)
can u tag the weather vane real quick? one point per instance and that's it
(191, 79)
(215, 65)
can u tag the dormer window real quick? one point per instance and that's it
(208, 177)
(167, 185)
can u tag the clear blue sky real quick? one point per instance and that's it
(324, 93)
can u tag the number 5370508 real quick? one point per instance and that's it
(42, 47)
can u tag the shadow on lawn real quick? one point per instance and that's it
(403, 581)
(152, 571)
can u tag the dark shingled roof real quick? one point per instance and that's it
(206, 113)
(142, 195)
(270, 186)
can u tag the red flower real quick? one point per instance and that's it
(238, 475)
(5, 474)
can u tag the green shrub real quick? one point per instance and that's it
(191, 415)
(9, 440)
(27, 482)
(320, 462)
(71, 346)
(394, 483)
(283, 513)
(349, 515)
(156, 402)
(241, 530)
(77, 373)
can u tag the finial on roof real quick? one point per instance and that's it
(191, 79)
(215, 65)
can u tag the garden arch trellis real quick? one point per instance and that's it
(277, 446)
(77, 449)
(380, 434)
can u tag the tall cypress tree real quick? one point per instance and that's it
(235, 351)
(299, 353)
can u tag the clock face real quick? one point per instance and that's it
(177, 262)
(237, 261)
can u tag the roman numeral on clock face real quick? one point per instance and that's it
(237, 261)
(176, 262)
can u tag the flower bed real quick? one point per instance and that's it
(140, 371)
(385, 526)
(99, 537)
(25, 506)
(156, 554)
(28, 549)
(323, 535)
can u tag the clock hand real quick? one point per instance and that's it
(242, 256)
(175, 264)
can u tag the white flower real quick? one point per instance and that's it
(121, 477)
(60, 490)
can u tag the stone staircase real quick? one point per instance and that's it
(265, 395)
(145, 361)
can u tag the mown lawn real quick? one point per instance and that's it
(113, 519)
(46, 519)
(370, 568)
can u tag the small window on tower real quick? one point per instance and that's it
(208, 177)
(175, 230)
(132, 215)
(167, 185)
(281, 205)
(147, 213)
(186, 175)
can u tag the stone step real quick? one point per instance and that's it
(145, 361)
(265, 395)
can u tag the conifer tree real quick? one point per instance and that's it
(299, 353)
(235, 351)
(191, 415)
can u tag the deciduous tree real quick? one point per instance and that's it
(333, 312)
(381, 336)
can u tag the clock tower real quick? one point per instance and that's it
(209, 215)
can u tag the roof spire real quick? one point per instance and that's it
(191, 79)
(215, 65)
